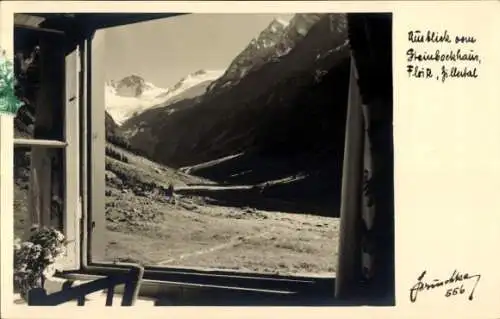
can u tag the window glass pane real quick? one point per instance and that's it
(39, 72)
(224, 148)
(39, 196)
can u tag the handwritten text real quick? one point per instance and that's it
(456, 59)
(455, 285)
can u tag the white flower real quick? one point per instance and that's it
(22, 268)
(41, 256)
(17, 244)
(60, 236)
(49, 257)
(27, 244)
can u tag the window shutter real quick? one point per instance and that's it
(72, 199)
(53, 196)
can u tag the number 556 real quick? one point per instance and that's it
(455, 291)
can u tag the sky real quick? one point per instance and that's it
(164, 51)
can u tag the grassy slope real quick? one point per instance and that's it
(196, 232)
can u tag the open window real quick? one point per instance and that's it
(213, 210)
(46, 137)
(213, 181)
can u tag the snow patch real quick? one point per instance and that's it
(190, 81)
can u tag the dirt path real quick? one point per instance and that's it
(233, 242)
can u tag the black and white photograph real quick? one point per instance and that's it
(204, 159)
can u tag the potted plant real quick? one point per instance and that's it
(37, 259)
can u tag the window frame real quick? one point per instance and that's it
(79, 266)
(88, 148)
(69, 145)
(93, 123)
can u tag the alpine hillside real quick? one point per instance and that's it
(277, 113)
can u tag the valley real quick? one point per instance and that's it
(253, 152)
(201, 230)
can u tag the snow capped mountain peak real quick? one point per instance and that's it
(133, 86)
(133, 95)
(131, 80)
(129, 96)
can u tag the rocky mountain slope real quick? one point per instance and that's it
(278, 39)
(232, 120)
(285, 117)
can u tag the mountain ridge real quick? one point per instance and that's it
(261, 95)
(275, 41)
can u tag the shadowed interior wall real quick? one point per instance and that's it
(371, 262)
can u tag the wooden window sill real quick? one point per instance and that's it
(97, 299)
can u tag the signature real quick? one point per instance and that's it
(456, 279)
